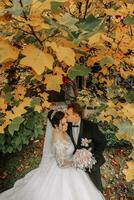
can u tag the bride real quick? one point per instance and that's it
(55, 178)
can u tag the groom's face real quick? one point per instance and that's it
(71, 116)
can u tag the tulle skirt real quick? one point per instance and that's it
(57, 184)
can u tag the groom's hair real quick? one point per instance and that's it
(76, 108)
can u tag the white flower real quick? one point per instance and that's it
(83, 159)
(85, 142)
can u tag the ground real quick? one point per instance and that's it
(16, 165)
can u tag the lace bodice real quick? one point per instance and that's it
(63, 151)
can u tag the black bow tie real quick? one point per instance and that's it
(75, 125)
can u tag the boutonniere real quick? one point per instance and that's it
(85, 142)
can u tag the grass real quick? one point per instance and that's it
(15, 166)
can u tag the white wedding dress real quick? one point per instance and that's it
(58, 181)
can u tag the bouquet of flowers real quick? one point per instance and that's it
(83, 159)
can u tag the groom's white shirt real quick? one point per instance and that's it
(76, 131)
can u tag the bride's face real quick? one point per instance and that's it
(63, 124)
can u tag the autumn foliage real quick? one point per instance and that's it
(42, 41)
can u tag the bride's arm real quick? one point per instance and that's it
(60, 154)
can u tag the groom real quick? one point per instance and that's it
(85, 134)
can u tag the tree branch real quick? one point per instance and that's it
(31, 28)
(86, 8)
(5, 2)
(17, 20)
(15, 27)
(131, 31)
(79, 8)
(33, 32)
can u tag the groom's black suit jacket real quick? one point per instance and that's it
(90, 131)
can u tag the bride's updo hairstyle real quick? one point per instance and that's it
(55, 117)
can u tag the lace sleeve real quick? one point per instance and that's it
(60, 154)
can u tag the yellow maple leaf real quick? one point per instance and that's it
(106, 38)
(111, 104)
(130, 60)
(19, 92)
(3, 105)
(44, 95)
(6, 122)
(65, 43)
(7, 52)
(46, 104)
(5, 3)
(104, 70)
(38, 108)
(110, 11)
(109, 82)
(117, 57)
(58, 70)
(99, 92)
(97, 38)
(102, 79)
(9, 115)
(1, 129)
(127, 110)
(111, 111)
(26, 101)
(36, 12)
(125, 73)
(4, 125)
(53, 82)
(127, 42)
(129, 173)
(123, 135)
(102, 116)
(91, 60)
(115, 122)
(35, 17)
(108, 118)
(3, 20)
(36, 59)
(37, 7)
(65, 54)
(19, 110)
